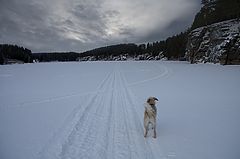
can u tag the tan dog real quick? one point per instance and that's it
(150, 114)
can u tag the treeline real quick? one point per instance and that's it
(172, 48)
(15, 52)
(56, 56)
(214, 11)
(113, 50)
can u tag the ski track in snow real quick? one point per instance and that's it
(106, 125)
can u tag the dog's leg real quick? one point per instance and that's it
(146, 131)
(154, 131)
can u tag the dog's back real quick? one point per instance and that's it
(150, 114)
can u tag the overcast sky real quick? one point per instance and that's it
(79, 25)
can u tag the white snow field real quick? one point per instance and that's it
(94, 110)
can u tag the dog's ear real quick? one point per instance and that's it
(149, 99)
(152, 100)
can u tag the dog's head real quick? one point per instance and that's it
(152, 100)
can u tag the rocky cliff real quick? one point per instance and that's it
(218, 42)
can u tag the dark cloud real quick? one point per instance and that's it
(24, 24)
(174, 27)
(78, 25)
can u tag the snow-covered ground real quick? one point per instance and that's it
(95, 110)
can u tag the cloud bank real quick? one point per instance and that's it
(79, 25)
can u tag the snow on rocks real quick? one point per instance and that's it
(207, 44)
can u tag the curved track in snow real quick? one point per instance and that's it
(106, 125)
(164, 72)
